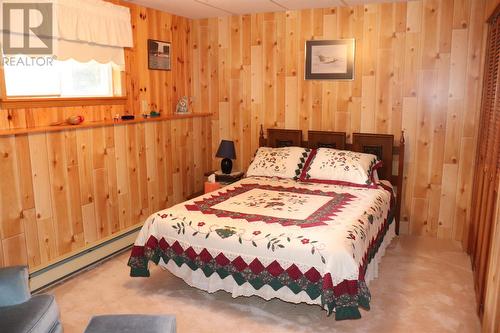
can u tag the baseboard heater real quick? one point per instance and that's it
(64, 269)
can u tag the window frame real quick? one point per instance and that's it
(7, 102)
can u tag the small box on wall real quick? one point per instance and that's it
(330, 59)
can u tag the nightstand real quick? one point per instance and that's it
(226, 179)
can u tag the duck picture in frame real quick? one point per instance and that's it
(330, 59)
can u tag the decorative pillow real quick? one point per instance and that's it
(286, 162)
(344, 167)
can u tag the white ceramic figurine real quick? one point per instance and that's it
(182, 105)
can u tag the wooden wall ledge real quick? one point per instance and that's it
(138, 119)
(27, 103)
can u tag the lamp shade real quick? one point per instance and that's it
(226, 150)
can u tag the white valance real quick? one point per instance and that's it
(85, 52)
(93, 21)
(84, 30)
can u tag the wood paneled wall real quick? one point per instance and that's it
(64, 191)
(417, 69)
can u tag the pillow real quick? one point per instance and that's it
(343, 167)
(286, 162)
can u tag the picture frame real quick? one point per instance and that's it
(159, 55)
(330, 59)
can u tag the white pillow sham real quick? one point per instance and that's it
(286, 162)
(343, 167)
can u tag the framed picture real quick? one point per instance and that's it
(330, 59)
(158, 55)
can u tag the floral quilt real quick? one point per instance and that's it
(290, 236)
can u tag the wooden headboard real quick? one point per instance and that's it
(324, 139)
(381, 145)
(284, 138)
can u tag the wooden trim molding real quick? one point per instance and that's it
(55, 128)
(27, 103)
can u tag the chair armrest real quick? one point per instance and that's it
(14, 287)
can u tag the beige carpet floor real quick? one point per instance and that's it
(425, 285)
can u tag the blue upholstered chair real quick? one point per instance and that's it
(19, 311)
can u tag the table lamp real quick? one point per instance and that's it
(227, 152)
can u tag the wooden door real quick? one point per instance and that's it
(487, 172)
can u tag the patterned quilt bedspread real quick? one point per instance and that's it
(312, 238)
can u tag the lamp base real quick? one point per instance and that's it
(226, 165)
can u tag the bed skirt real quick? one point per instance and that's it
(213, 283)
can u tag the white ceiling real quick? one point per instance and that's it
(214, 8)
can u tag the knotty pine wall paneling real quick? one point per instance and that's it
(417, 69)
(64, 191)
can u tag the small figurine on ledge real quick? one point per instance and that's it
(154, 113)
(182, 105)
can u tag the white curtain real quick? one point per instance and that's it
(84, 52)
(86, 30)
(91, 29)
(93, 21)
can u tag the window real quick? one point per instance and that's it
(87, 38)
(51, 78)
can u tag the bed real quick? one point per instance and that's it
(298, 241)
